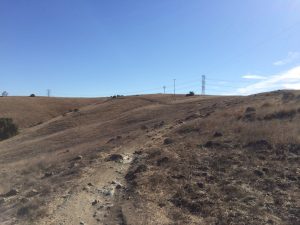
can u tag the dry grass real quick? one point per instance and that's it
(238, 178)
(247, 175)
(27, 112)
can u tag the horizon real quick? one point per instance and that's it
(98, 49)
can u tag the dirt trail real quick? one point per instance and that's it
(91, 201)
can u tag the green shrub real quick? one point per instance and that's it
(7, 128)
(191, 93)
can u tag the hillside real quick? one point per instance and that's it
(29, 111)
(156, 159)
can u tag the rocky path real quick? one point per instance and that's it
(90, 201)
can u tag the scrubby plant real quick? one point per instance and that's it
(7, 128)
(191, 93)
(32, 95)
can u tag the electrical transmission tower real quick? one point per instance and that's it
(164, 87)
(174, 87)
(48, 92)
(203, 84)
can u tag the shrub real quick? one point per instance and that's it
(282, 114)
(7, 128)
(4, 94)
(190, 94)
(32, 95)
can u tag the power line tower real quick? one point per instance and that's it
(164, 87)
(174, 87)
(48, 92)
(203, 84)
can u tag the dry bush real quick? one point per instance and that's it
(266, 104)
(7, 128)
(31, 210)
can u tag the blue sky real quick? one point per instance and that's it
(99, 48)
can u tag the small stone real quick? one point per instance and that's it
(82, 223)
(34, 191)
(90, 184)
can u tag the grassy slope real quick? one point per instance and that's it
(28, 111)
(248, 174)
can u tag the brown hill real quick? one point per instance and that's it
(157, 159)
(29, 111)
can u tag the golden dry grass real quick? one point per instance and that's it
(29, 111)
(247, 175)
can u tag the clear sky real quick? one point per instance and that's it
(100, 47)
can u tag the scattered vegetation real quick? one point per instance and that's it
(32, 95)
(117, 96)
(7, 128)
(237, 166)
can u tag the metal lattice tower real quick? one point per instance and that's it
(203, 84)
(174, 87)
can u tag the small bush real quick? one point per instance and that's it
(191, 93)
(32, 95)
(168, 141)
(282, 114)
(7, 128)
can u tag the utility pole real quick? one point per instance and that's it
(164, 87)
(203, 84)
(174, 87)
(48, 92)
